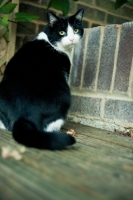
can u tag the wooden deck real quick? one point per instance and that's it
(98, 166)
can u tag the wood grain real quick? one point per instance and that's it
(98, 166)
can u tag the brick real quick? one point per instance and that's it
(19, 42)
(77, 63)
(129, 4)
(127, 12)
(99, 16)
(29, 38)
(119, 110)
(107, 57)
(73, 8)
(86, 2)
(28, 28)
(35, 1)
(85, 24)
(111, 19)
(75, 104)
(41, 12)
(91, 57)
(107, 6)
(109, 109)
(92, 13)
(22, 40)
(86, 106)
(41, 28)
(45, 2)
(124, 58)
(95, 25)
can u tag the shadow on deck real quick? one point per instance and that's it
(98, 166)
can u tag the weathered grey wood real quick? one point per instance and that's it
(98, 166)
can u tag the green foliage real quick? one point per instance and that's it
(119, 3)
(7, 8)
(4, 21)
(62, 5)
(22, 17)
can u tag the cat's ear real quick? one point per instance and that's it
(52, 18)
(79, 14)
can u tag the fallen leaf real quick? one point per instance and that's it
(131, 134)
(22, 149)
(8, 152)
(71, 132)
(127, 132)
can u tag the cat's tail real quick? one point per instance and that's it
(25, 132)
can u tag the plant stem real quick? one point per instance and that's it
(20, 25)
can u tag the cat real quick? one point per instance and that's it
(34, 93)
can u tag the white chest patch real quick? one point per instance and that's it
(43, 36)
(68, 41)
(2, 126)
(54, 126)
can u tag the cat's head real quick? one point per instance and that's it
(64, 32)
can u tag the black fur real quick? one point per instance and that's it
(34, 92)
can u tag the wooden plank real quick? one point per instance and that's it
(93, 168)
(102, 135)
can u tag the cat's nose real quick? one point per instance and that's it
(71, 40)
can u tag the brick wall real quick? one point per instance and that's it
(102, 78)
(97, 12)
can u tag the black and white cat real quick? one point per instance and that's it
(34, 93)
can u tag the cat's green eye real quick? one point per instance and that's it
(76, 31)
(62, 32)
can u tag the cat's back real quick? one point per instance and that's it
(35, 68)
(37, 52)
